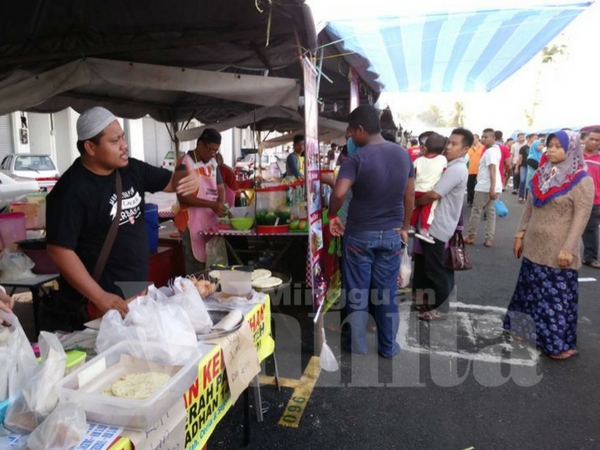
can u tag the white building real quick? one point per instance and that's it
(56, 135)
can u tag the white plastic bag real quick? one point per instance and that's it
(15, 266)
(147, 321)
(327, 359)
(216, 252)
(39, 396)
(17, 360)
(188, 297)
(405, 268)
(64, 429)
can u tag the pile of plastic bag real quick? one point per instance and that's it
(157, 317)
(31, 389)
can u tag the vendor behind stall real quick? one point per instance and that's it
(199, 211)
(294, 164)
(81, 209)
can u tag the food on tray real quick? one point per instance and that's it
(266, 283)
(260, 273)
(139, 385)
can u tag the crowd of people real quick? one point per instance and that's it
(383, 193)
(420, 191)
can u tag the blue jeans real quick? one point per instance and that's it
(522, 181)
(371, 260)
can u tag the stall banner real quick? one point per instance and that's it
(207, 400)
(259, 319)
(313, 182)
(354, 90)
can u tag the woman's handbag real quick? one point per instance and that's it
(58, 312)
(455, 255)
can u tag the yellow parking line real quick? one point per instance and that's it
(297, 404)
(290, 383)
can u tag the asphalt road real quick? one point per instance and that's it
(455, 385)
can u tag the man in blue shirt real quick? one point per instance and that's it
(381, 177)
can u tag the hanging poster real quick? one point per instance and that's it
(313, 183)
(354, 90)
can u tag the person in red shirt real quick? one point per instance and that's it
(591, 154)
(506, 160)
(415, 149)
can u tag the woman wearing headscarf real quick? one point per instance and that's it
(533, 160)
(544, 305)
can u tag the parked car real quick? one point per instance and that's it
(169, 161)
(38, 167)
(251, 159)
(13, 190)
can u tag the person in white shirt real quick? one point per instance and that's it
(487, 190)
(428, 171)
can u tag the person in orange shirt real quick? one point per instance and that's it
(474, 156)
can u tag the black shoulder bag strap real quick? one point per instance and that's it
(112, 232)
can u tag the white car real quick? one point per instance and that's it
(38, 167)
(14, 190)
(169, 161)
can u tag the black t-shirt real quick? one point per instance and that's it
(524, 152)
(80, 210)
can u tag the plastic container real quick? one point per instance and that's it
(42, 261)
(40, 200)
(75, 359)
(242, 211)
(236, 282)
(151, 218)
(272, 229)
(31, 211)
(272, 198)
(242, 223)
(13, 228)
(85, 385)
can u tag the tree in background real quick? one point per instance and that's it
(549, 56)
(432, 117)
(458, 115)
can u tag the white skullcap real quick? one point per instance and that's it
(92, 122)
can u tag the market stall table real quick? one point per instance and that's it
(254, 233)
(190, 423)
(36, 286)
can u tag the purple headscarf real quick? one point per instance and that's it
(553, 180)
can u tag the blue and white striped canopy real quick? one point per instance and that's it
(454, 51)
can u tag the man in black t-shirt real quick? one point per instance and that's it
(521, 166)
(82, 206)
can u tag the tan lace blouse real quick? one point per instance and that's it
(557, 226)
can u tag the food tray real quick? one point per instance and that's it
(85, 385)
(216, 314)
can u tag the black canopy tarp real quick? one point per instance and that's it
(238, 37)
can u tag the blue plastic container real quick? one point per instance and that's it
(151, 218)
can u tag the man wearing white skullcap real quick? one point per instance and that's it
(81, 209)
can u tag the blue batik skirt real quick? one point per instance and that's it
(544, 307)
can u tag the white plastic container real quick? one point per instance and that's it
(86, 384)
(242, 211)
(236, 282)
